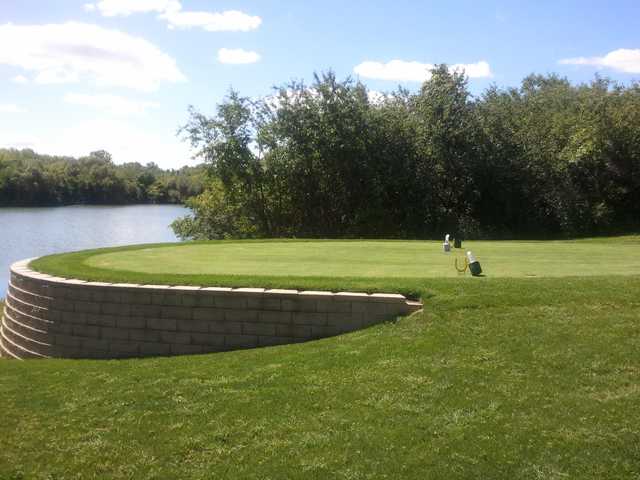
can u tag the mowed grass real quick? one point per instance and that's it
(507, 376)
(498, 378)
(405, 266)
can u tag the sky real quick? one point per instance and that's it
(119, 75)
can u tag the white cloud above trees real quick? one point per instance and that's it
(74, 52)
(413, 71)
(621, 60)
(113, 104)
(237, 56)
(126, 139)
(11, 108)
(20, 79)
(171, 11)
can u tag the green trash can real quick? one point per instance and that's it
(474, 265)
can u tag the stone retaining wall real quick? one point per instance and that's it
(46, 316)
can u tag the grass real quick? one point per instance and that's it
(499, 377)
(404, 266)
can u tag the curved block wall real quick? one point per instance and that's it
(46, 316)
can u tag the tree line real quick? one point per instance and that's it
(329, 159)
(28, 179)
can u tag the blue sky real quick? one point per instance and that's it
(118, 75)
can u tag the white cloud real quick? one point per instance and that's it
(237, 56)
(11, 108)
(113, 104)
(376, 97)
(227, 21)
(622, 60)
(479, 69)
(20, 79)
(171, 11)
(404, 71)
(125, 140)
(72, 52)
(114, 8)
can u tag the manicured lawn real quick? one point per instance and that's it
(405, 266)
(502, 378)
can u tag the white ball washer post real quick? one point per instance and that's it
(446, 246)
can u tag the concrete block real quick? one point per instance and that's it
(101, 320)
(175, 337)
(209, 339)
(315, 294)
(136, 297)
(208, 314)
(310, 318)
(79, 294)
(269, 341)
(258, 329)
(87, 307)
(112, 295)
(155, 288)
(189, 300)
(275, 317)
(340, 319)
(270, 303)
(252, 291)
(131, 348)
(350, 296)
(73, 317)
(241, 315)
(117, 309)
(225, 327)
(125, 286)
(114, 333)
(165, 299)
(144, 335)
(321, 332)
(62, 304)
(186, 349)
(150, 349)
(162, 324)
(368, 307)
(388, 298)
(215, 290)
(147, 311)
(62, 328)
(178, 313)
(86, 331)
(329, 305)
(193, 326)
(281, 292)
(93, 344)
(370, 319)
(66, 341)
(185, 289)
(290, 304)
(205, 299)
(293, 331)
(230, 302)
(131, 322)
(241, 341)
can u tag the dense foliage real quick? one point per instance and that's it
(332, 160)
(27, 178)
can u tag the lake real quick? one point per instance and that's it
(33, 232)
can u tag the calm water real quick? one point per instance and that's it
(32, 232)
